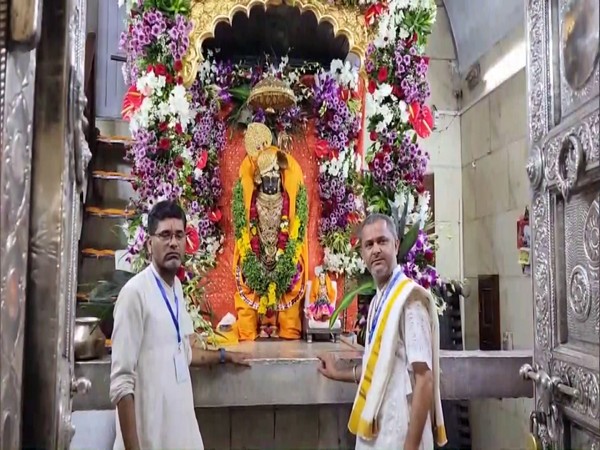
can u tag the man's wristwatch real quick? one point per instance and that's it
(222, 356)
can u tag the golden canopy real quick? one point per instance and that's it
(206, 14)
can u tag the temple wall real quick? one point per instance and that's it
(495, 193)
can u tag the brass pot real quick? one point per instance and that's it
(89, 341)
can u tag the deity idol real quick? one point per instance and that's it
(270, 214)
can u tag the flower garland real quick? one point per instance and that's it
(177, 139)
(338, 106)
(270, 286)
(396, 117)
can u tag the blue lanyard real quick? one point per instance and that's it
(174, 317)
(379, 308)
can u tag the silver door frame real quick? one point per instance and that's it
(17, 79)
(564, 130)
(59, 161)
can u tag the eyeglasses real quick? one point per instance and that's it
(166, 236)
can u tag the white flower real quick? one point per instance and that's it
(149, 83)
(179, 105)
(141, 118)
(387, 114)
(403, 107)
(344, 73)
(382, 92)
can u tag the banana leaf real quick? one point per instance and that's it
(364, 288)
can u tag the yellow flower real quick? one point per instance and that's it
(298, 253)
(272, 300)
(295, 228)
(262, 307)
(253, 231)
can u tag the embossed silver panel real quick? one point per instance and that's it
(579, 38)
(564, 172)
(17, 78)
(583, 315)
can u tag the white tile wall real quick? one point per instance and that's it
(495, 193)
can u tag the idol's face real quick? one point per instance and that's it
(270, 183)
(379, 248)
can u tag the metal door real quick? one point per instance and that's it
(563, 167)
(17, 78)
(60, 155)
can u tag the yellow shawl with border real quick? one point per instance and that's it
(380, 360)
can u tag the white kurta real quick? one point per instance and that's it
(144, 342)
(414, 345)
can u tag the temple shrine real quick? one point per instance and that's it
(279, 126)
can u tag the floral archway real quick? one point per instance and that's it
(181, 128)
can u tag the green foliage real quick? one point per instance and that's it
(171, 7)
(367, 287)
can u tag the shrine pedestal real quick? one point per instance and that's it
(282, 400)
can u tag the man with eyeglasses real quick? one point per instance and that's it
(153, 345)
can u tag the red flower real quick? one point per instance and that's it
(163, 126)
(178, 162)
(150, 68)
(373, 12)
(131, 102)
(215, 215)
(411, 40)
(181, 274)
(353, 241)
(398, 92)
(373, 136)
(270, 313)
(421, 118)
(345, 95)
(307, 80)
(160, 69)
(282, 240)
(382, 75)
(164, 144)
(202, 160)
(354, 217)
(178, 128)
(322, 149)
(192, 240)
(372, 86)
(169, 78)
(178, 65)
(429, 256)
(179, 79)
(285, 208)
(255, 244)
